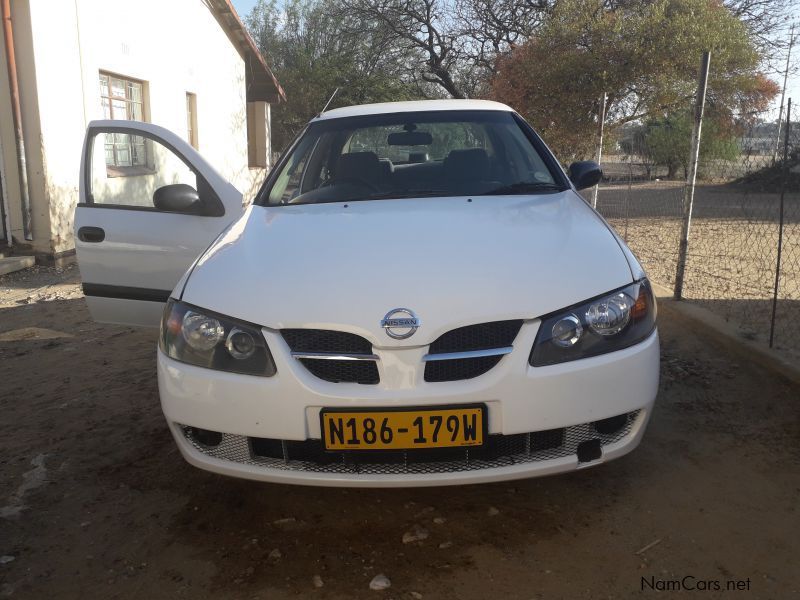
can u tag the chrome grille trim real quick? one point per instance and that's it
(468, 354)
(334, 356)
(237, 449)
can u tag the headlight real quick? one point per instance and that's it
(610, 322)
(206, 339)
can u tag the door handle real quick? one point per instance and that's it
(91, 235)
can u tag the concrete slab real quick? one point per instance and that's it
(15, 263)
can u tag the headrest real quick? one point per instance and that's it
(472, 164)
(358, 165)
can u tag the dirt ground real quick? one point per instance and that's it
(96, 502)
(732, 250)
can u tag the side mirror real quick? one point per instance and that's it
(585, 173)
(177, 197)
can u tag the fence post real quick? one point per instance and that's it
(783, 95)
(600, 126)
(785, 170)
(694, 155)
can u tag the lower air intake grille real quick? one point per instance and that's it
(498, 451)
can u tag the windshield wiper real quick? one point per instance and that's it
(524, 187)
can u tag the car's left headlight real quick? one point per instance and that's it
(604, 324)
(207, 339)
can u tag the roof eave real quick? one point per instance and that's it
(261, 83)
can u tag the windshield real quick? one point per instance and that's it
(405, 155)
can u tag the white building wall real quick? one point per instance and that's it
(174, 47)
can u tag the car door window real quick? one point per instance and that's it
(127, 169)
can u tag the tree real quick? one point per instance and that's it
(667, 141)
(643, 55)
(424, 29)
(313, 48)
(489, 29)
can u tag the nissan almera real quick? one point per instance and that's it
(417, 296)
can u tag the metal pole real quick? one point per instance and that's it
(5, 226)
(17, 114)
(780, 221)
(691, 179)
(783, 95)
(600, 126)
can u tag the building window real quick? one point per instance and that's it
(123, 99)
(191, 119)
(258, 140)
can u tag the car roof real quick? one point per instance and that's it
(412, 106)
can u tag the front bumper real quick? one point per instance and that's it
(520, 399)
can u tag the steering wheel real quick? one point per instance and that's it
(353, 180)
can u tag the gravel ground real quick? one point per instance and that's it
(96, 502)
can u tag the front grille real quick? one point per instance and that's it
(333, 342)
(498, 451)
(325, 340)
(482, 336)
(343, 371)
(460, 368)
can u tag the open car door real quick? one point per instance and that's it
(149, 205)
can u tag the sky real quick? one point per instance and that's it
(243, 7)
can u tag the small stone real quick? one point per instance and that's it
(416, 534)
(415, 595)
(274, 555)
(85, 524)
(380, 582)
(284, 522)
(445, 545)
(6, 558)
(492, 512)
(439, 520)
(317, 581)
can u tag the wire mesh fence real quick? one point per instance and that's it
(736, 228)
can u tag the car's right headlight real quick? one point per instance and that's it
(207, 339)
(604, 324)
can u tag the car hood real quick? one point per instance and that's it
(453, 261)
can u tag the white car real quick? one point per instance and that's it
(418, 296)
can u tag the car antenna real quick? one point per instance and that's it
(328, 103)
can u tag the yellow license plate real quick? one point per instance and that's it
(377, 429)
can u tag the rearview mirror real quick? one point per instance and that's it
(410, 138)
(585, 173)
(176, 197)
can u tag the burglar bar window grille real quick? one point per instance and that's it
(123, 99)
